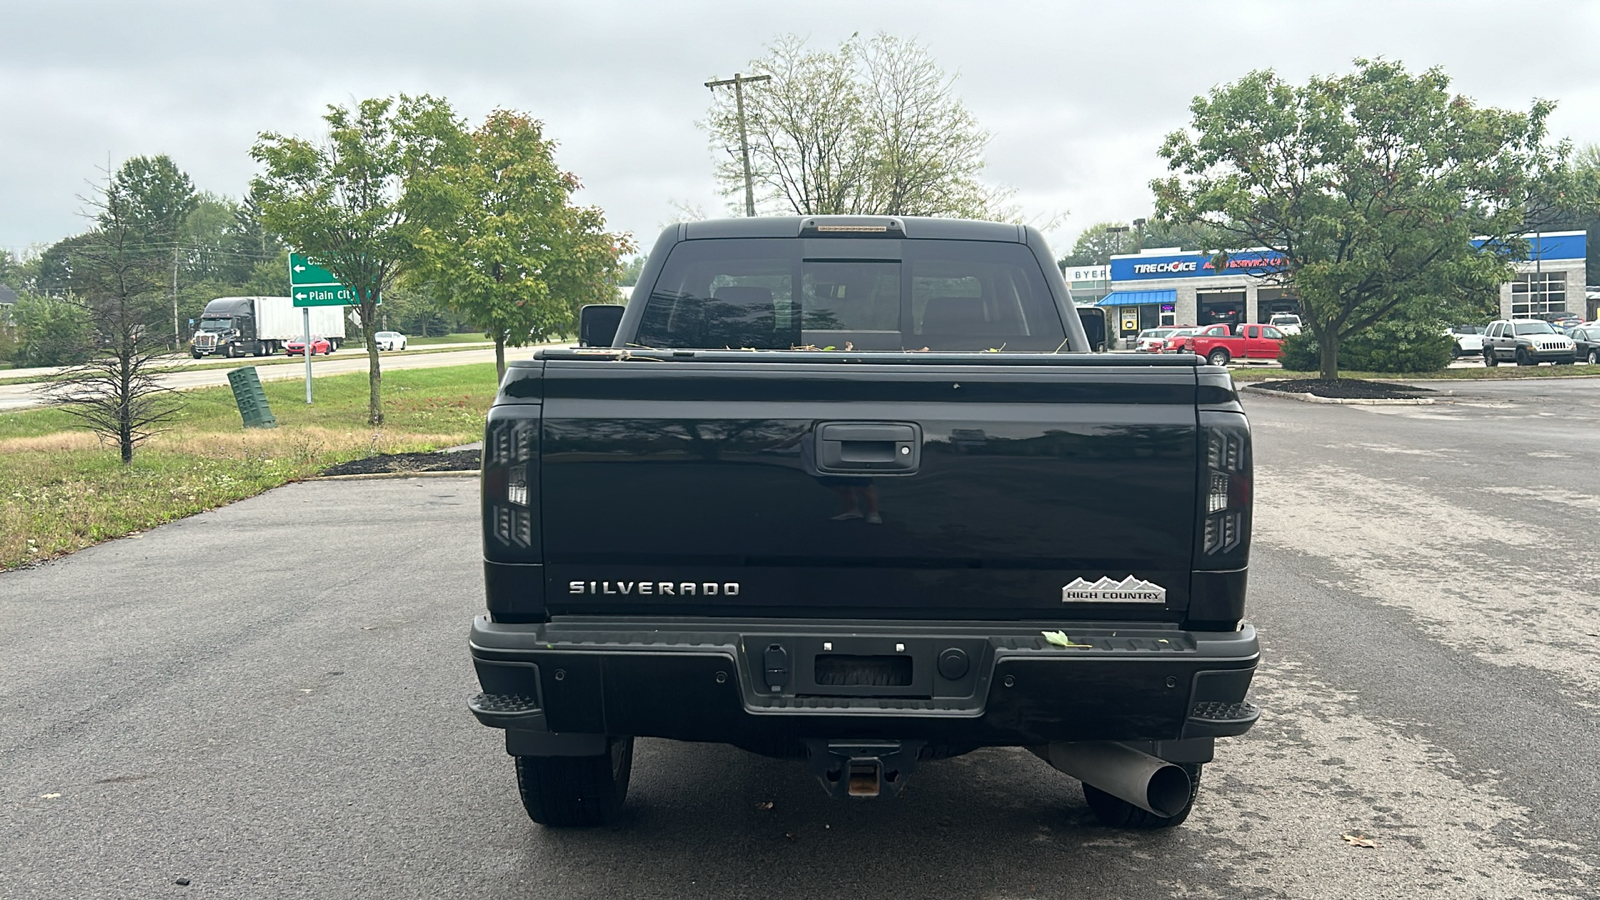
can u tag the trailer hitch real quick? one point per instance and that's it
(862, 770)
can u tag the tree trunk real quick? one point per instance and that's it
(374, 372)
(500, 356)
(1329, 344)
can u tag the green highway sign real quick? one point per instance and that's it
(324, 295)
(302, 271)
(312, 285)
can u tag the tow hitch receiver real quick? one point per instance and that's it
(862, 770)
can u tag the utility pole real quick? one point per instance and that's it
(177, 336)
(739, 81)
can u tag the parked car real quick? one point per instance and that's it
(1527, 342)
(1468, 340)
(1174, 342)
(1288, 323)
(297, 346)
(1563, 321)
(1586, 339)
(1151, 340)
(390, 340)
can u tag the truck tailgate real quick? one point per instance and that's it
(1026, 491)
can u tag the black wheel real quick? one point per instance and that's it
(233, 351)
(1594, 357)
(576, 791)
(1489, 359)
(1114, 812)
(1218, 357)
(196, 354)
(1455, 351)
(1523, 359)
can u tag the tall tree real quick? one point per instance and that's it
(1098, 243)
(348, 202)
(1371, 185)
(873, 128)
(153, 198)
(514, 255)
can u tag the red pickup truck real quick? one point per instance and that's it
(1218, 344)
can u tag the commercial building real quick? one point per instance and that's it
(1173, 286)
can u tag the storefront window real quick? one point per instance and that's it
(1537, 293)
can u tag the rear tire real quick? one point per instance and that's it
(1218, 357)
(576, 791)
(1114, 812)
(1594, 357)
(1489, 359)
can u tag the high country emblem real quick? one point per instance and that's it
(1128, 590)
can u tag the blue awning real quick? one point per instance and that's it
(1137, 298)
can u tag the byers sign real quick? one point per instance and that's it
(1193, 265)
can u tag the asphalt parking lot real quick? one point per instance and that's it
(268, 700)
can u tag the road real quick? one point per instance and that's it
(25, 395)
(268, 700)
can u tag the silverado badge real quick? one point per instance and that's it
(1128, 590)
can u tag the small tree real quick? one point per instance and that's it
(515, 256)
(118, 282)
(874, 128)
(1371, 186)
(348, 202)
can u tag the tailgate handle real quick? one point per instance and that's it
(888, 448)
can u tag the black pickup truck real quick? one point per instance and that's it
(851, 491)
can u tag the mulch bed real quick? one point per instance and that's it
(453, 461)
(1346, 389)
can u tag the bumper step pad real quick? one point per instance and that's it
(506, 710)
(1221, 719)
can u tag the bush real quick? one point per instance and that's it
(1300, 354)
(1389, 346)
(50, 332)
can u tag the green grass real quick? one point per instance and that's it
(473, 337)
(345, 351)
(60, 490)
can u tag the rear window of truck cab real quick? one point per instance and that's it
(782, 294)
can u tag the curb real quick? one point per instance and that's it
(1313, 398)
(458, 473)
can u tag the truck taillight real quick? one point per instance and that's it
(1225, 527)
(510, 489)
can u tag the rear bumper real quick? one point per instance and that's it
(555, 686)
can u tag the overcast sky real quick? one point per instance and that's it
(1077, 96)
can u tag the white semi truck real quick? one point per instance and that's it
(259, 326)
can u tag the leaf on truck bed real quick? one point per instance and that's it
(1060, 639)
